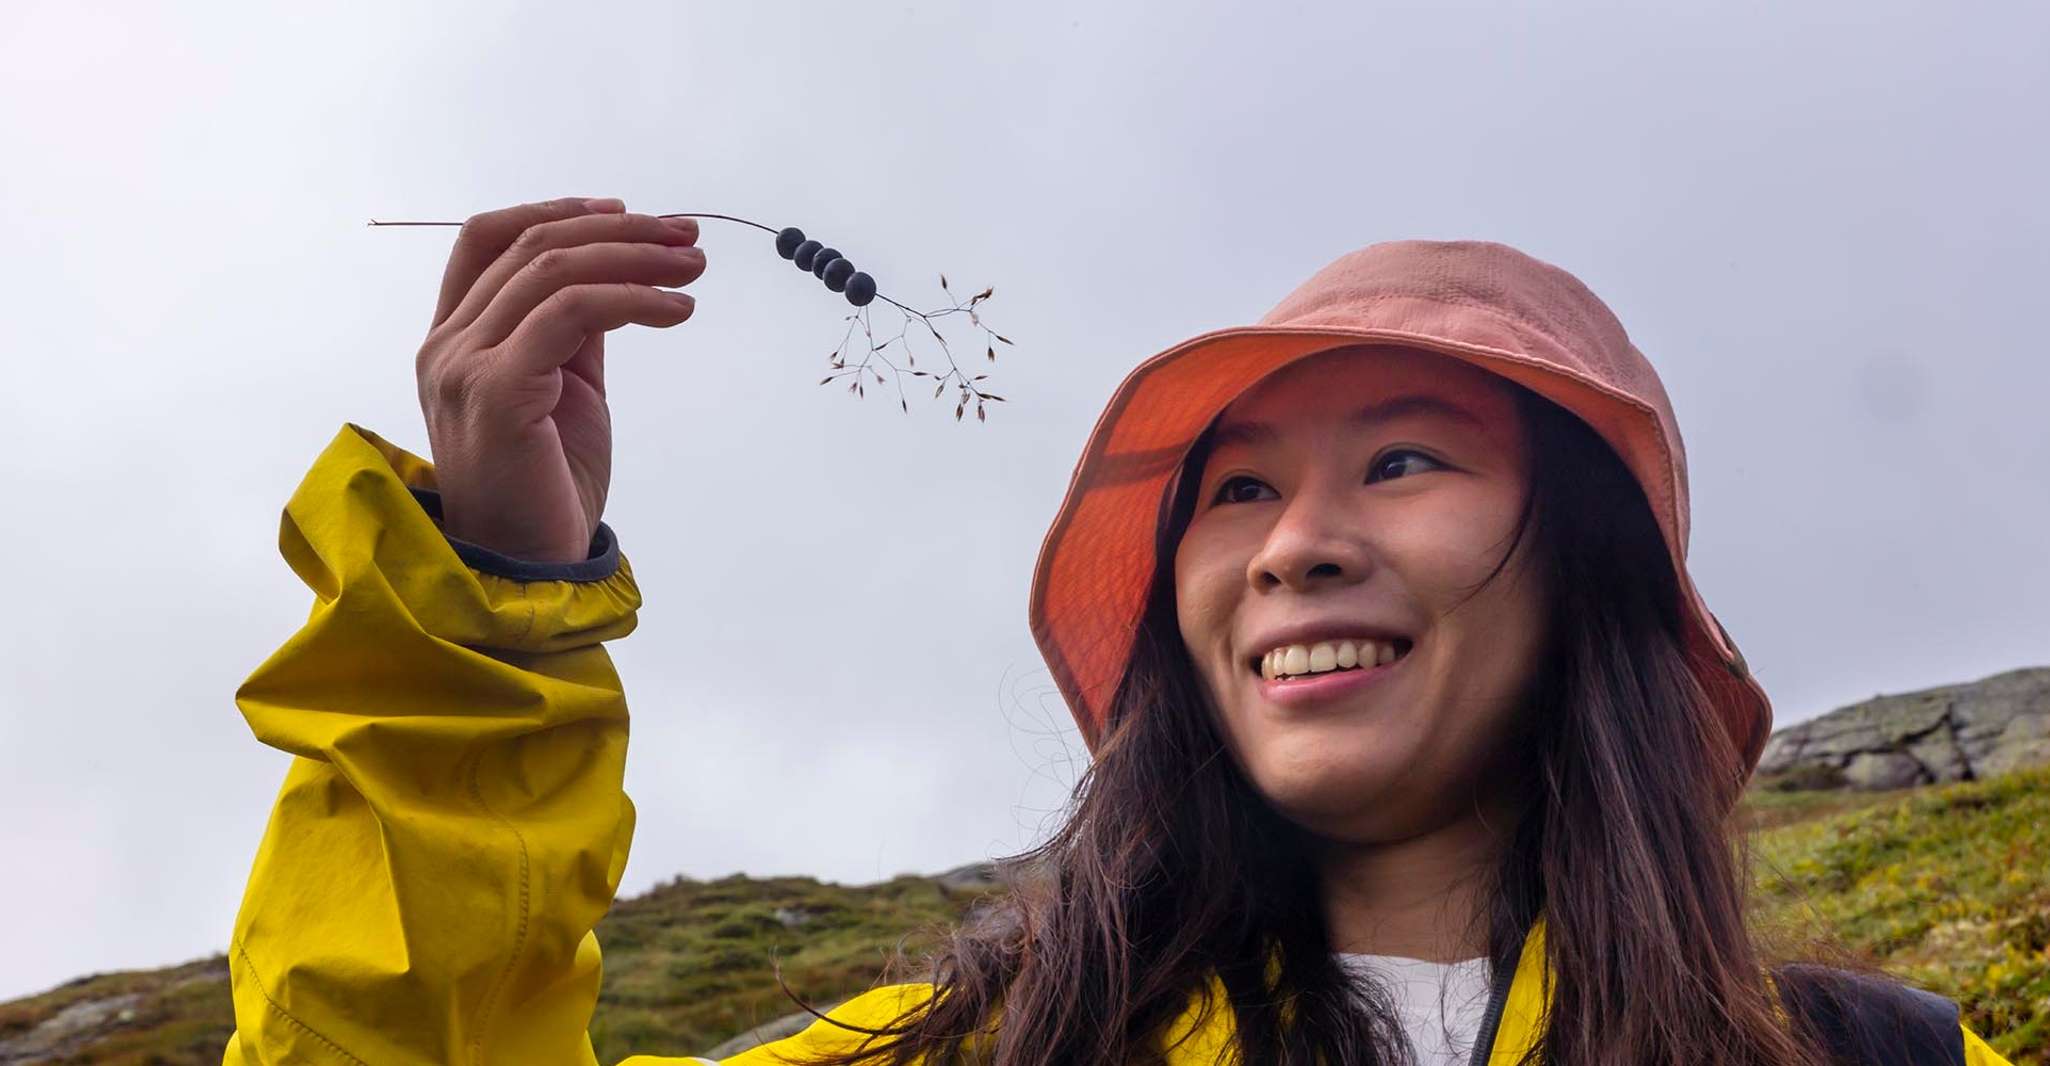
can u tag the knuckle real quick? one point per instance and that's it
(453, 386)
(528, 244)
(619, 300)
(550, 262)
(566, 302)
(435, 352)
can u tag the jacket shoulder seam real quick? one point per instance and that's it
(256, 980)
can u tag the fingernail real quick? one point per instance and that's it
(682, 225)
(606, 203)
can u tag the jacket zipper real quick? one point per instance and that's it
(1498, 998)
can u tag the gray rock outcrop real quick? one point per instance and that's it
(107, 1008)
(974, 877)
(1949, 733)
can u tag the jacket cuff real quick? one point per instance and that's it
(601, 559)
(360, 533)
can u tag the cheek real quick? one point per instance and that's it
(1485, 634)
(1206, 581)
(1206, 586)
(1446, 547)
(1487, 642)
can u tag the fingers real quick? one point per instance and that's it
(557, 328)
(559, 268)
(549, 240)
(484, 237)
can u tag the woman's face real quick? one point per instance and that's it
(1376, 488)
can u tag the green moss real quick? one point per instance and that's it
(1946, 886)
(692, 963)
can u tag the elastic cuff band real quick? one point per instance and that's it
(601, 563)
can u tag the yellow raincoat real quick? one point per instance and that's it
(454, 822)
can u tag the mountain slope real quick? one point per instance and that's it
(1948, 886)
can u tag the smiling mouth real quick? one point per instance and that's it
(1328, 657)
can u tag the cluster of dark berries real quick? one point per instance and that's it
(827, 264)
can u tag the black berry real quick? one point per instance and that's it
(837, 273)
(788, 240)
(803, 253)
(860, 289)
(819, 261)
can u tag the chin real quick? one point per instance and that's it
(1325, 785)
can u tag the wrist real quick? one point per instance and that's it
(457, 524)
(596, 561)
(552, 554)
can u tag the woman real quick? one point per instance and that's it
(1412, 739)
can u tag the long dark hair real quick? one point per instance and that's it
(1172, 881)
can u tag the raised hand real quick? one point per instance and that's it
(512, 374)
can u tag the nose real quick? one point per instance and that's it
(1315, 542)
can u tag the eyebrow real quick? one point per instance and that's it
(1246, 433)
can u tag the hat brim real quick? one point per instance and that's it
(1096, 562)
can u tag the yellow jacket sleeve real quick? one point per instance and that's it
(452, 823)
(1977, 1053)
(872, 1009)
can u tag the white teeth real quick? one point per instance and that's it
(1323, 657)
(1295, 660)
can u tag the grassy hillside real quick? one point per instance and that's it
(1948, 886)
(689, 964)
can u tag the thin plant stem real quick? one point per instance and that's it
(902, 339)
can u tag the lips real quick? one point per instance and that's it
(1318, 691)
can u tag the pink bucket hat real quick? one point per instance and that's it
(1485, 304)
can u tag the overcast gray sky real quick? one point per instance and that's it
(1824, 223)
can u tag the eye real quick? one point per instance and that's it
(1224, 488)
(1401, 462)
